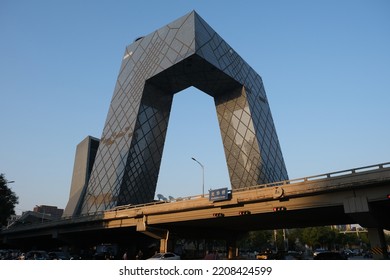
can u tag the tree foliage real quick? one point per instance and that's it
(256, 240)
(8, 200)
(300, 239)
(319, 237)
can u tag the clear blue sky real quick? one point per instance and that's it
(325, 66)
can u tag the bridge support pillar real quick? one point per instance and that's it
(156, 233)
(165, 244)
(359, 210)
(232, 249)
(378, 243)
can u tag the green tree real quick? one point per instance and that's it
(255, 240)
(348, 239)
(319, 237)
(295, 240)
(8, 200)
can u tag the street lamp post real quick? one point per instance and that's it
(202, 175)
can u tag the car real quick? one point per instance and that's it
(318, 251)
(368, 255)
(348, 253)
(165, 256)
(357, 252)
(10, 254)
(329, 255)
(59, 256)
(37, 255)
(3, 254)
(292, 255)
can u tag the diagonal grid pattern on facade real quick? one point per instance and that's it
(186, 52)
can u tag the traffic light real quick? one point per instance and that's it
(219, 215)
(388, 196)
(241, 213)
(279, 209)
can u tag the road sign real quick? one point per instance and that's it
(219, 194)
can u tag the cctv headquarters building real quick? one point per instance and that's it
(122, 167)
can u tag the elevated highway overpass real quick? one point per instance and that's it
(359, 195)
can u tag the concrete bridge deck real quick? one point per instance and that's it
(357, 195)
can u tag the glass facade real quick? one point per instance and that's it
(186, 52)
(84, 159)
